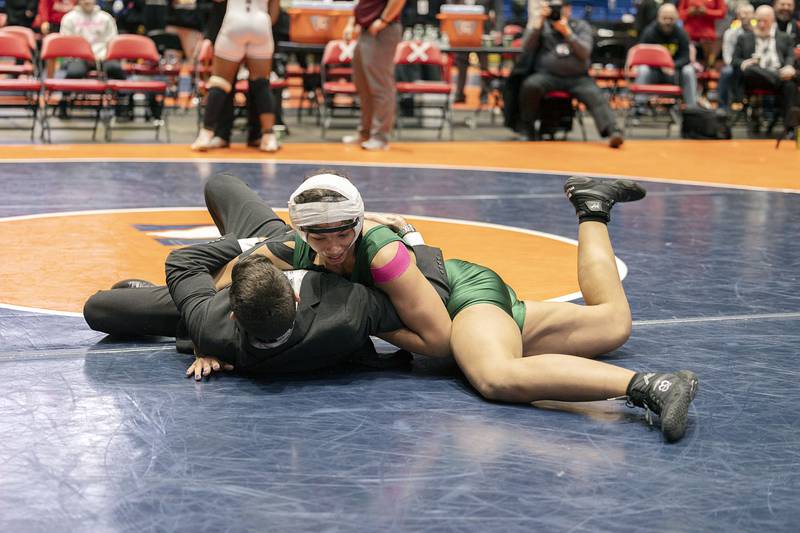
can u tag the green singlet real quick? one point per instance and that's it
(373, 240)
(472, 284)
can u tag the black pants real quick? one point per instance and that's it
(224, 128)
(756, 77)
(78, 68)
(236, 209)
(583, 88)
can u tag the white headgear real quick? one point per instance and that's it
(348, 210)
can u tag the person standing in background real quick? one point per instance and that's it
(51, 12)
(184, 20)
(246, 34)
(699, 20)
(376, 24)
(462, 58)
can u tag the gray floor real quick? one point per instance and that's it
(468, 126)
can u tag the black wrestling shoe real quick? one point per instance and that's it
(132, 284)
(668, 396)
(791, 123)
(593, 199)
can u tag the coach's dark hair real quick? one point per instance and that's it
(261, 297)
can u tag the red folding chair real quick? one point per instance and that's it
(86, 93)
(25, 33)
(11, 66)
(142, 62)
(336, 75)
(667, 95)
(753, 109)
(432, 94)
(19, 90)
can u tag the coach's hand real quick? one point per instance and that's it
(205, 365)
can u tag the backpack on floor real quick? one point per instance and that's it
(704, 124)
(556, 116)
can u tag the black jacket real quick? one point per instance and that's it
(746, 47)
(334, 317)
(676, 42)
(15, 12)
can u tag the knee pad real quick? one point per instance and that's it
(215, 102)
(259, 94)
(219, 82)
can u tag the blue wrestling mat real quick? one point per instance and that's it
(106, 435)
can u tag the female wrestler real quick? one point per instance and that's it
(328, 214)
(246, 33)
(509, 350)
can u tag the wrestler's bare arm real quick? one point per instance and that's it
(222, 278)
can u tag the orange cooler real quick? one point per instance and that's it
(462, 29)
(318, 22)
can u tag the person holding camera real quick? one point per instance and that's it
(562, 49)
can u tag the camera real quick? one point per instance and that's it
(555, 13)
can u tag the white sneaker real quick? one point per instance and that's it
(217, 142)
(203, 141)
(353, 139)
(269, 143)
(374, 144)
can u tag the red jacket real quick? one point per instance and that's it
(53, 11)
(701, 27)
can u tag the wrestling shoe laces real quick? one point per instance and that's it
(593, 199)
(666, 395)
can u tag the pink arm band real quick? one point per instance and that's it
(394, 268)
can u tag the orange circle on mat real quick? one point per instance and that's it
(61, 259)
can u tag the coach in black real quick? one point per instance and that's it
(305, 320)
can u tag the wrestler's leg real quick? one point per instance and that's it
(235, 208)
(150, 310)
(260, 69)
(486, 344)
(603, 324)
(219, 85)
(133, 312)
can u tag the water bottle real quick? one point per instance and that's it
(184, 83)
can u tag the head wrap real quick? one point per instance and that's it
(306, 217)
